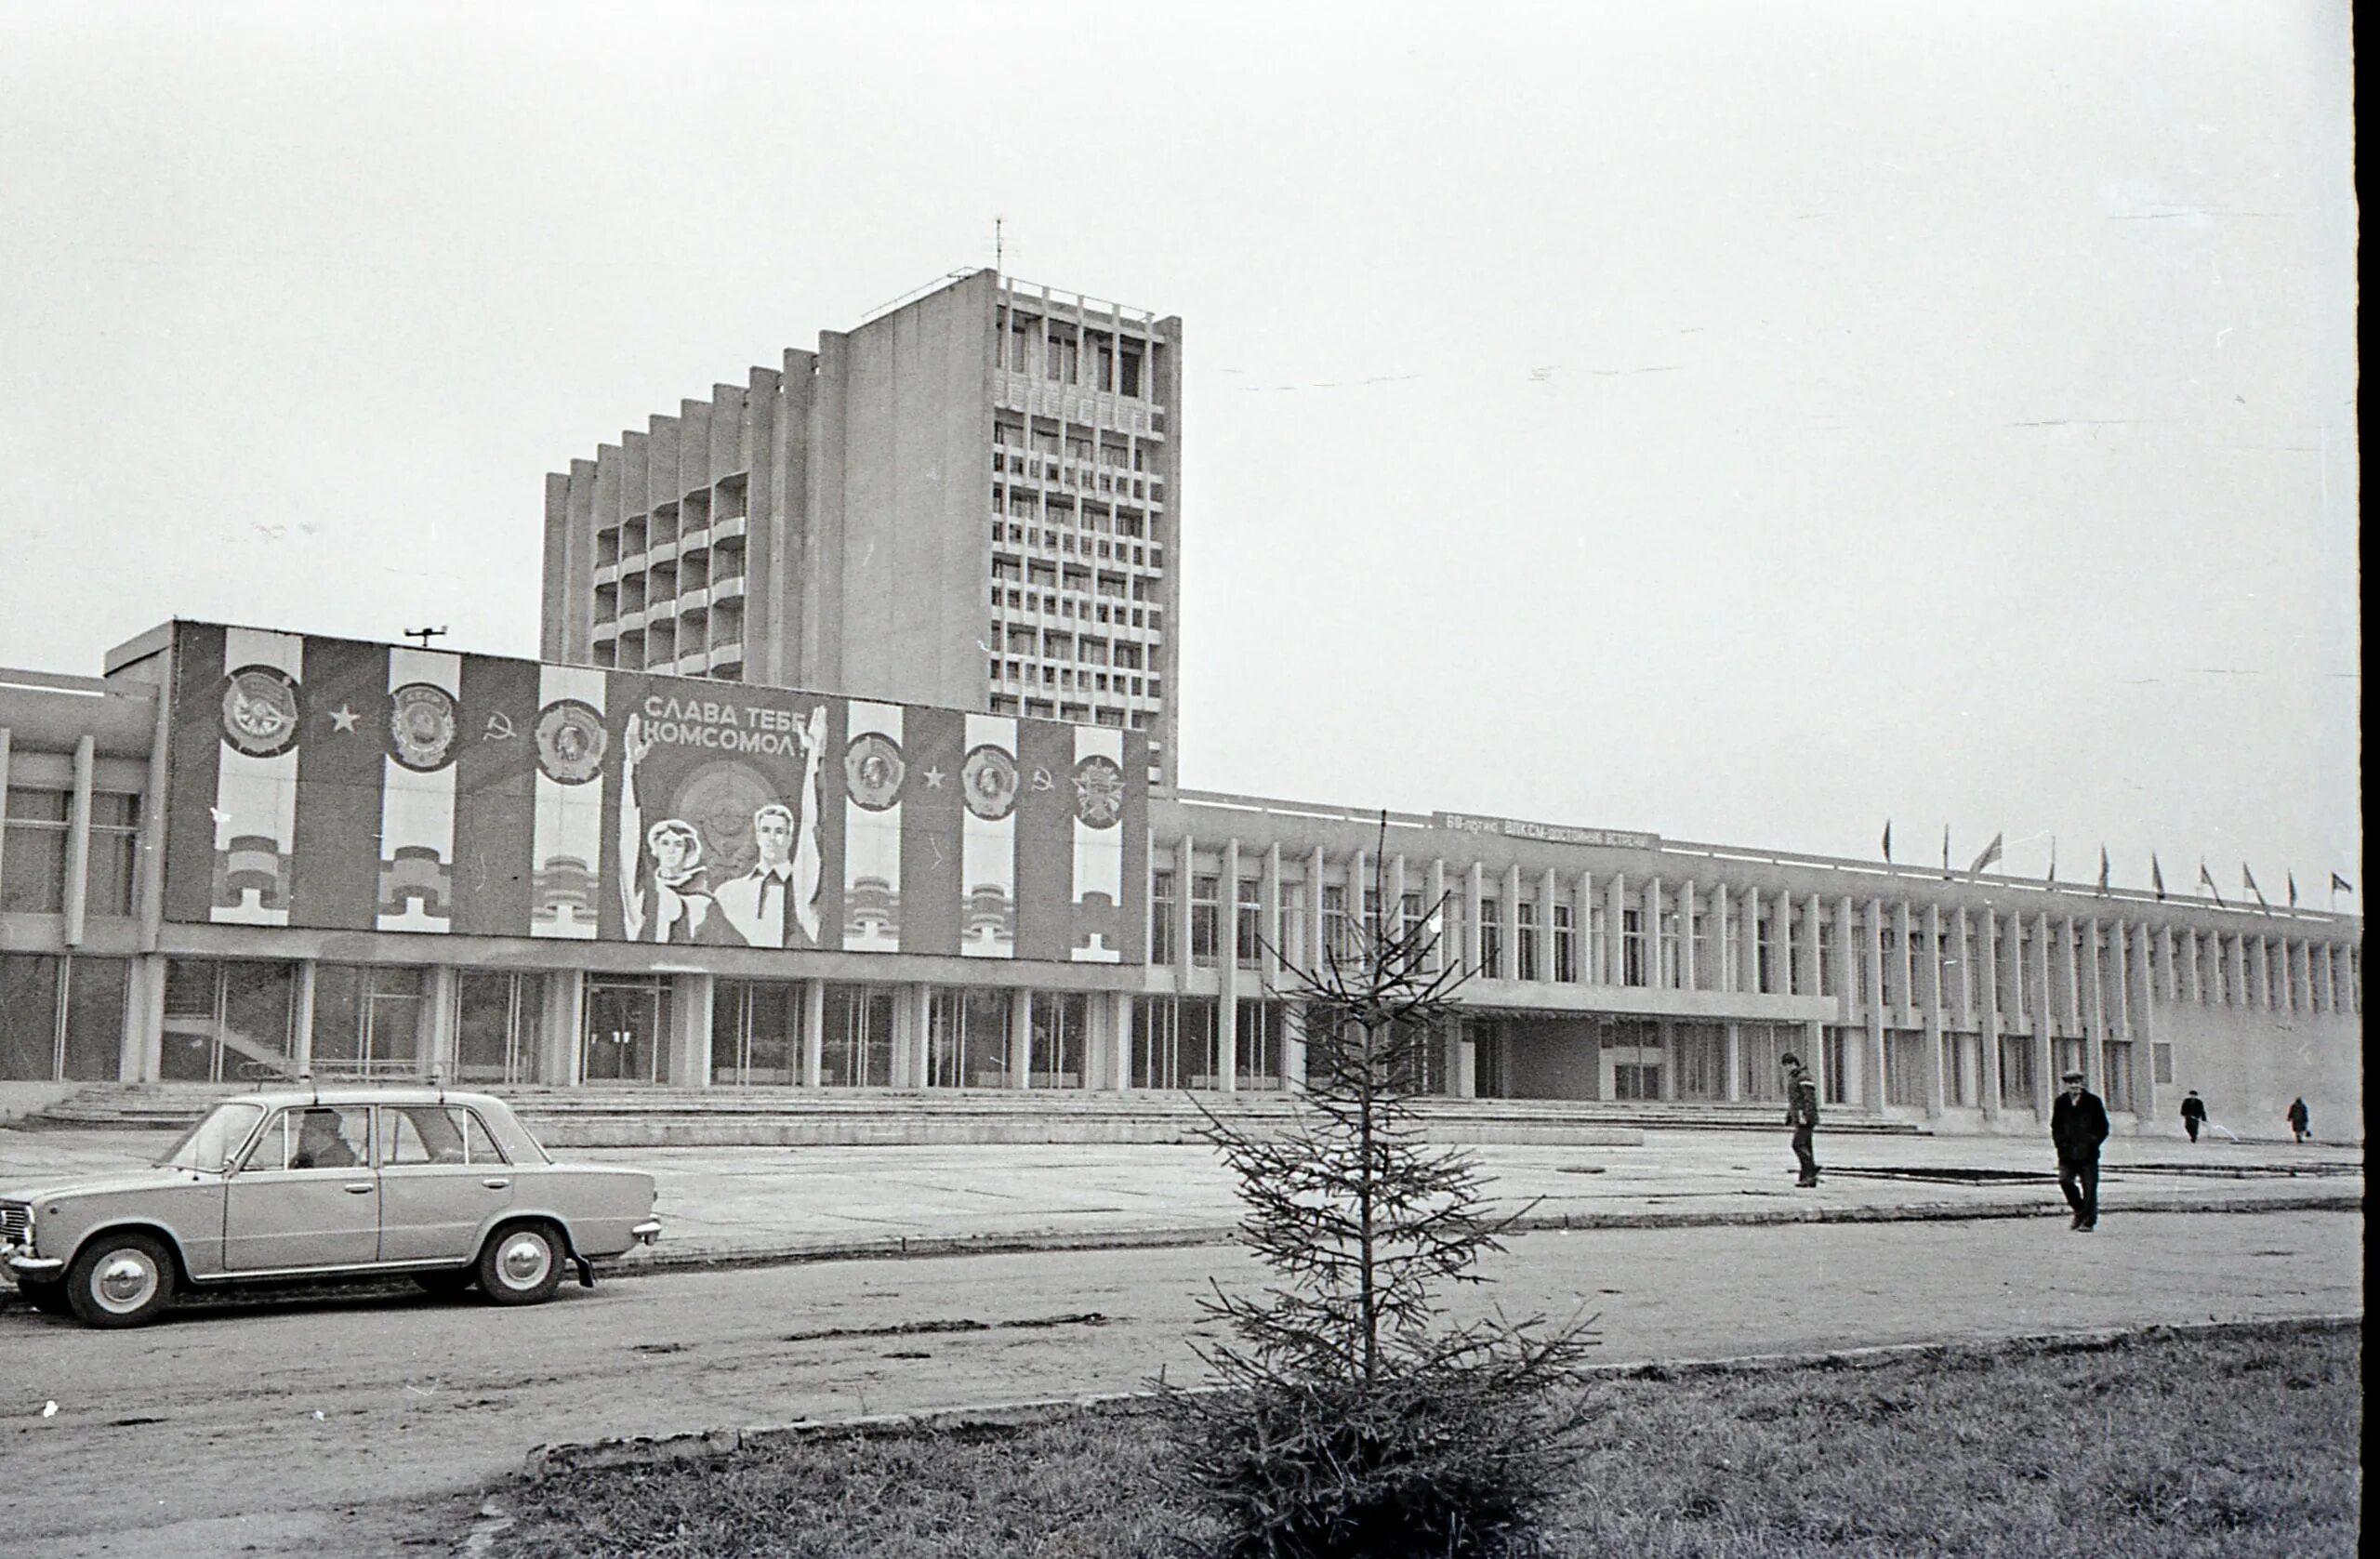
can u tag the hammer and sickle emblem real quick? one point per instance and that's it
(1041, 780)
(499, 728)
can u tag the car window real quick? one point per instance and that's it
(316, 1137)
(210, 1143)
(437, 1134)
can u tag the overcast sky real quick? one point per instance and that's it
(1747, 422)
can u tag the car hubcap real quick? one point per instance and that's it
(525, 1261)
(125, 1282)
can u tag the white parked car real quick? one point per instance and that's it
(326, 1183)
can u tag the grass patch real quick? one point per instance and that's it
(2240, 1445)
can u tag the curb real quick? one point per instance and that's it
(898, 1248)
(713, 1445)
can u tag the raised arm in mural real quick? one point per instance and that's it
(634, 745)
(807, 867)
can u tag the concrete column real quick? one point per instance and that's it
(1314, 869)
(2095, 1012)
(301, 1021)
(690, 1012)
(1119, 1031)
(1020, 1036)
(2045, 1017)
(141, 1058)
(438, 1036)
(2190, 966)
(564, 1023)
(918, 1051)
(2261, 971)
(1441, 954)
(1735, 1063)
(1392, 898)
(1781, 936)
(1228, 974)
(1508, 917)
(813, 1033)
(1293, 1045)
(1615, 928)
(1872, 949)
(1748, 942)
(1463, 1059)
(1590, 949)
(1987, 981)
(2118, 977)
(2169, 979)
(1813, 917)
(1475, 893)
(1904, 967)
(1359, 890)
(2143, 1027)
(1269, 917)
(1548, 891)
(1668, 1031)
(1187, 884)
(78, 842)
(6, 742)
(1930, 1009)
(1726, 975)
(1686, 963)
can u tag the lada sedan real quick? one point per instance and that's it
(320, 1184)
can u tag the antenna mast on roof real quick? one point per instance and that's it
(998, 249)
(425, 634)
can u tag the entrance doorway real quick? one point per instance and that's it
(627, 1029)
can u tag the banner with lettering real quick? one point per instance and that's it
(333, 783)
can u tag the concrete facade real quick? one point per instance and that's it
(971, 501)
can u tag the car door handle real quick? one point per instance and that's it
(358, 1188)
(495, 1184)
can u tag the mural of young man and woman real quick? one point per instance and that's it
(668, 888)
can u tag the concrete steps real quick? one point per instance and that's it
(721, 1117)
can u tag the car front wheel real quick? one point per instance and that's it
(520, 1265)
(120, 1280)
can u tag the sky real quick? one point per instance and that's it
(1748, 422)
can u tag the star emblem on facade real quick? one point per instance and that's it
(344, 718)
(934, 778)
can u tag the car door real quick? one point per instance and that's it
(305, 1195)
(442, 1180)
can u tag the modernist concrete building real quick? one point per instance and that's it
(970, 501)
(246, 852)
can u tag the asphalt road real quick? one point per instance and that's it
(357, 1424)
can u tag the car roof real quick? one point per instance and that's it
(280, 1098)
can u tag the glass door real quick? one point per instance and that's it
(625, 1034)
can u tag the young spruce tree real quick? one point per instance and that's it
(1353, 1418)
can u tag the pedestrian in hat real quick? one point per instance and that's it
(2193, 1114)
(2078, 1124)
(1801, 1114)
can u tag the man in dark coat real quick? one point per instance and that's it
(1801, 1114)
(2299, 1120)
(2078, 1124)
(2193, 1114)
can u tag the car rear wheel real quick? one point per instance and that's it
(446, 1284)
(120, 1280)
(520, 1265)
(49, 1298)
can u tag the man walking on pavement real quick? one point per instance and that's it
(2193, 1114)
(2078, 1124)
(1801, 1114)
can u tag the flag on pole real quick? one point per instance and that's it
(2292, 890)
(2248, 878)
(2207, 878)
(2103, 868)
(2053, 858)
(2157, 877)
(1990, 853)
(2340, 884)
(1888, 839)
(1946, 850)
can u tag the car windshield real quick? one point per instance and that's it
(207, 1145)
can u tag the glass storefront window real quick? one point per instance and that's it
(368, 1020)
(756, 1033)
(227, 1020)
(95, 1013)
(1061, 1034)
(857, 1052)
(29, 1016)
(626, 1038)
(970, 1040)
(1173, 1042)
(500, 1025)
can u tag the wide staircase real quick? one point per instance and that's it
(642, 1116)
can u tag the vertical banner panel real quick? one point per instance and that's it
(197, 732)
(337, 874)
(495, 798)
(1045, 839)
(721, 829)
(422, 730)
(566, 831)
(1095, 787)
(872, 771)
(932, 832)
(1136, 848)
(261, 705)
(988, 786)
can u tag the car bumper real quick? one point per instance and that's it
(23, 1264)
(648, 1231)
